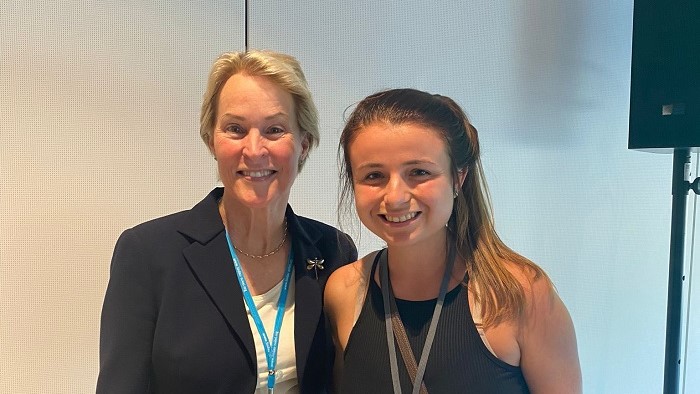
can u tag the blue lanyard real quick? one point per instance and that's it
(270, 348)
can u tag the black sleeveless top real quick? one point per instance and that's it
(459, 361)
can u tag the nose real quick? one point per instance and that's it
(254, 145)
(397, 192)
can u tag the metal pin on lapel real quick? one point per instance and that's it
(315, 264)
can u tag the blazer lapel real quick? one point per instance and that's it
(309, 295)
(210, 260)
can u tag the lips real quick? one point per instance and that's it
(400, 219)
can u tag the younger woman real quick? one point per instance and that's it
(447, 307)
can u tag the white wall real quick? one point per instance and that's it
(547, 85)
(99, 108)
(99, 130)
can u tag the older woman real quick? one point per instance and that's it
(227, 296)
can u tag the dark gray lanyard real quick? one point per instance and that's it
(389, 302)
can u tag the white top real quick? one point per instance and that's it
(286, 375)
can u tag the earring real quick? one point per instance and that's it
(455, 194)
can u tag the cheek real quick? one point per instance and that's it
(364, 201)
(441, 199)
(447, 205)
(360, 197)
(226, 149)
(290, 151)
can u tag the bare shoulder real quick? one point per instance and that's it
(537, 287)
(349, 275)
(344, 282)
(344, 295)
(546, 336)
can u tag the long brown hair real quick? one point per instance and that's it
(472, 234)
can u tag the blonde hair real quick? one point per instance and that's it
(471, 232)
(284, 70)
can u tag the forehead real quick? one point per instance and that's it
(245, 92)
(380, 142)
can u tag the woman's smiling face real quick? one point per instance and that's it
(402, 182)
(257, 142)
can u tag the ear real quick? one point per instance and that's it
(461, 176)
(210, 144)
(305, 147)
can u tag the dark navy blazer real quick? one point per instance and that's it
(174, 319)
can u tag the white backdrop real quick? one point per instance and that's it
(99, 110)
(99, 130)
(547, 85)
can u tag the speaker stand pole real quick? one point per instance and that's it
(680, 187)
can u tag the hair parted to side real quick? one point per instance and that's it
(284, 70)
(471, 228)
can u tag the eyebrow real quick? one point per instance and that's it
(417, 161)
(407, 163)
(277, 115)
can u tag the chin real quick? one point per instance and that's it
(258, 200)
(262, 202)
(398, 239)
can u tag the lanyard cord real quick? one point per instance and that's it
(388, 298)
(270, 348)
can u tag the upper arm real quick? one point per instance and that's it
(127, 322)
(342, 294)
(549, 355)
(344, 288)
(334, 297)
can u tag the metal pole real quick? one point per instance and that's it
(245, 23)
(680, 187)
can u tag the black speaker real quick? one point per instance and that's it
(665, 88)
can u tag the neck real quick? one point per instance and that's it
(255, 231)
(416, 271)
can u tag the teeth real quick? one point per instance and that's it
(400, 219)
(256, 174)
